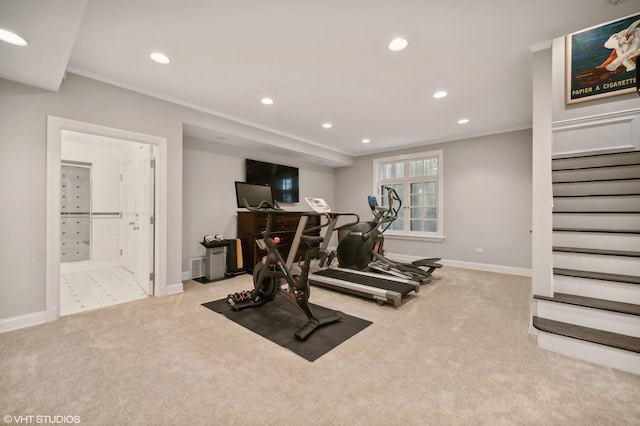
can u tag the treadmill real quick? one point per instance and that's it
(374, 286)
(381, 288)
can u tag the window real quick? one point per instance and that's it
(417, 178)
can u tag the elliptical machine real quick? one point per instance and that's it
(362, 246)
(268, 276)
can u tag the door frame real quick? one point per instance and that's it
(55, 126)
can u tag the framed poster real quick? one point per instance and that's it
(601, 60)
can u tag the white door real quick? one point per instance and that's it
(137, 228)
(145, 217)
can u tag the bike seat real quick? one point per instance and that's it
(312, 240)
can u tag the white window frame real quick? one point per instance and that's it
(437, 236)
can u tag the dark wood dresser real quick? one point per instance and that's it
(250, 228)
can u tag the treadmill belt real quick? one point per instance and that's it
(381, 283)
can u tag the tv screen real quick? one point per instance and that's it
(283, 180)
(254, 194)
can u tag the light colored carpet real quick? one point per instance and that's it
(458, 352)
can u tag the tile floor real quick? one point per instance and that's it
(83, 290)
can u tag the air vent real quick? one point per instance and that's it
(198, 267)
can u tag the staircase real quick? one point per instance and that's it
(594, 313)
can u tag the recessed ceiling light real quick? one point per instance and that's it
(463, 121)
(439, 94)
(327, 125)
(160, 58)
(267, 101)
(12, 38)
(398, 44)
(366, 140)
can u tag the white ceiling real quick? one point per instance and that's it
(319, 60)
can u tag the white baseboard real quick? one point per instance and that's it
(22, 321)
(186, 275)
(526, 272)
(501, 269)
(172, 289)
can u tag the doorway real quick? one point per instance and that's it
(107, 215)
(152, 190)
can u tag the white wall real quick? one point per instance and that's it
(487, 200)
(209, 199)
(105, 162)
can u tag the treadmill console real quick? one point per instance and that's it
(318, 204)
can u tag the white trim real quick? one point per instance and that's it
(22, 321)
(172, 289)
(595, 120)
(501, 269)
(586, 152)
(55, 126)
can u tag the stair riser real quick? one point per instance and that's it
(597, 240)
(591, 352)
(607, 173)
(624, 203)
(598, 289)
(613, 322)
(597, 221)
(597, 263)
(597, 161)
(597, 188)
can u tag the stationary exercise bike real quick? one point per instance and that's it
(268, 275)
(362, 246)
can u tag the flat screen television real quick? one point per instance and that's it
(283, 179)
(253, 193)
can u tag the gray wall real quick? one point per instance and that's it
(487, 200)
(209, 200)
(23, 115)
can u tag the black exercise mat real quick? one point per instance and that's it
(278, 319)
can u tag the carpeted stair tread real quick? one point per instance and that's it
(590, 302)
(619, 341)
(630, 279)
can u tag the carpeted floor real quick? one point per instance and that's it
(458, 352)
